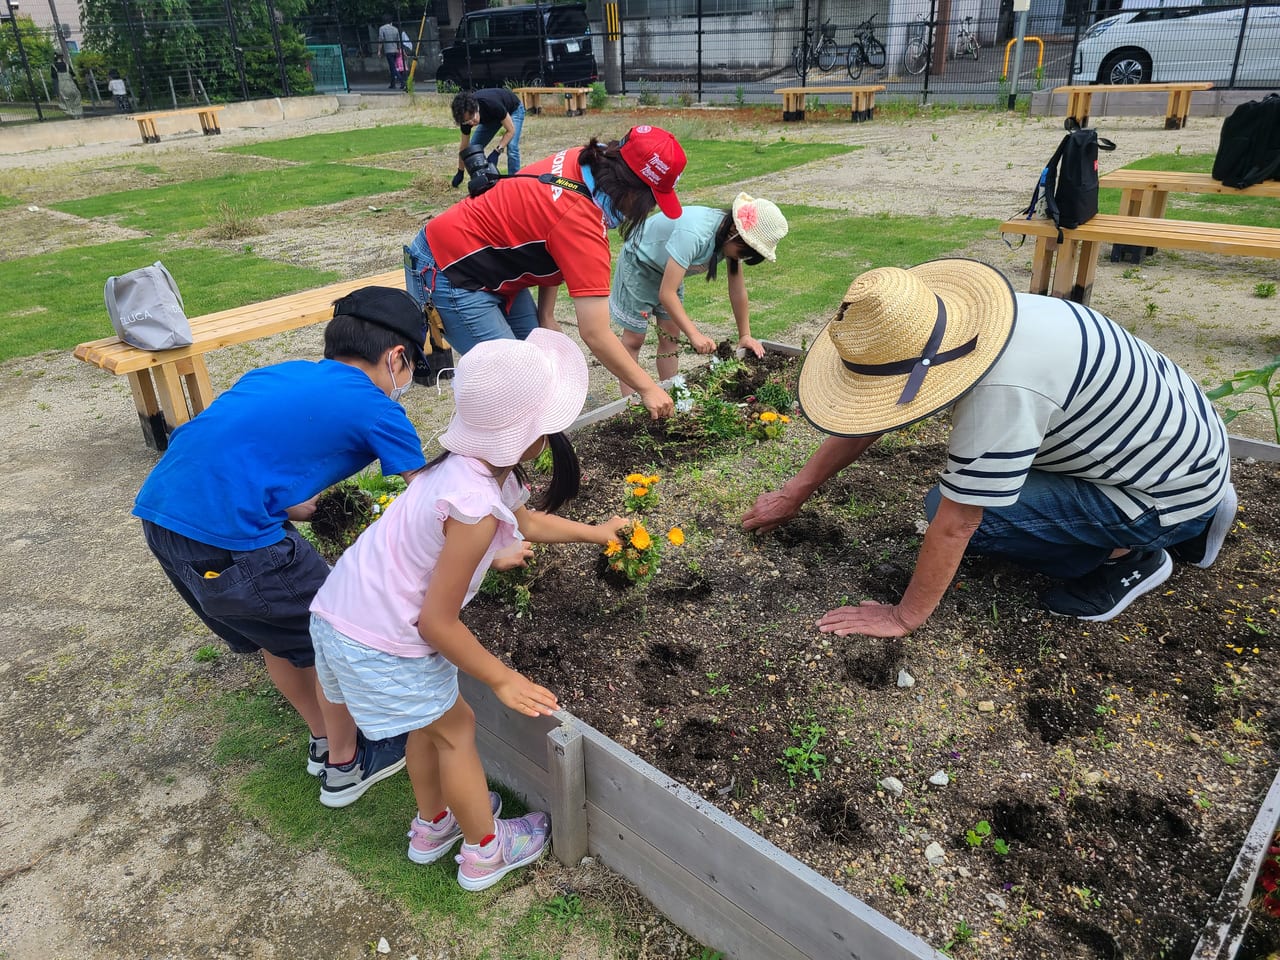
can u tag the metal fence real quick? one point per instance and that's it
(663, 51)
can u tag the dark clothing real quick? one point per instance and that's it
(494, 103)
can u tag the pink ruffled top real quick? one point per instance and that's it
(375, 592)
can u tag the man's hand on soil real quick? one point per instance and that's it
(868, 618)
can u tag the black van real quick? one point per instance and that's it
(532, 45)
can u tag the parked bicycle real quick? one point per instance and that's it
(821, 50)
(966, 44)
(866, 50)
(919, 49)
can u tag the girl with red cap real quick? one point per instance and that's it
(549, 225)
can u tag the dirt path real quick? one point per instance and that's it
(119, 837)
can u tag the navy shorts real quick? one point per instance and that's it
(259, 600)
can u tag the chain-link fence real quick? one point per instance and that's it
(171, 54)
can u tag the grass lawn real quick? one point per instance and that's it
(1204, 207)
(54, 300)
(349, 144)
(713, 163)
(190, 206)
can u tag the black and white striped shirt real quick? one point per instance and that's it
(1075, 393)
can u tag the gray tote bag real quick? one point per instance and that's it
(146, 309)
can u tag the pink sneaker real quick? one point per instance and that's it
(428, 842)
(517, 842)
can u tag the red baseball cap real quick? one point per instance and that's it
(657, 159)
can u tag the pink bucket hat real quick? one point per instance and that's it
(508, 393)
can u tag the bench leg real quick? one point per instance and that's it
(154, 431)
(1086, 272)
(209, 124)
(195, 376)
(1176, 113)
(1078, 104)
(173, 401)
(1042, 264)
(1074, 272)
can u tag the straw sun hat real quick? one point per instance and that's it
(906, 344)
(508, 393)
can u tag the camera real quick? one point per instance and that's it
(481, 173)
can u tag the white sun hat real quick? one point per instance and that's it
(760, 224)
(508, 393)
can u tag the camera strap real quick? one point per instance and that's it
(555, 180)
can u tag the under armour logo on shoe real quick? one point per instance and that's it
(1131, 579)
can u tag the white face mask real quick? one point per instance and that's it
(398, 392)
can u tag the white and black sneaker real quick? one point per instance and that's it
(375, 760)
(1103, 593)
(1202, 550)
(317, 754)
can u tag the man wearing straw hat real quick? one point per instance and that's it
(1076, 449)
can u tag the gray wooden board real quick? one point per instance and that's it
(1225, 929)
(525, 735)
(683, 897)
(808, 911)
(1258, 449)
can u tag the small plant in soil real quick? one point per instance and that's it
(803, 759)
(1259, 382)
(642, 492)
(980, 833)
(346, 508)
(636, 553)
(513, 588)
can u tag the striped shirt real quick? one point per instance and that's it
(1075, 393)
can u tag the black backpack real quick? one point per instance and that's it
(1249, 147)
(1068, 185)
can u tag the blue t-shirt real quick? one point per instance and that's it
(277, 438)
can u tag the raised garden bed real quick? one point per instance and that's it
(1119, 765)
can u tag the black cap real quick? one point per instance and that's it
(391, 309)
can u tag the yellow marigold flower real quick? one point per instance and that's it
(768, 416)
(640, 538)
(636, 478)
(676, 536)
(784, 418)
(651, 480)
(612, 547)
(639, 491)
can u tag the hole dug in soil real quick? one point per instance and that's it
(1119, 764)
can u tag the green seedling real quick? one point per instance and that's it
(803, 759)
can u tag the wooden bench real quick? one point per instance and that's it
(1068, 269)
(172, 386)
(862, 100)
(1145, 193)
(575, 98)
(1079, 97)
(208, 121)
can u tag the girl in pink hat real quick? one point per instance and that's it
(386, 629)
(648, 279)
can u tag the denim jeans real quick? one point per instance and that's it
(470, 316)
(1065, 527)
(484, 132)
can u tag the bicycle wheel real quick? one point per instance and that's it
(827, 51)
(798, 60)
(916, 57)
(873, 53)
(972, 47)
(856, 59)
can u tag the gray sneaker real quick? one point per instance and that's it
(317, 754)
(1202, 550)
(375, 760)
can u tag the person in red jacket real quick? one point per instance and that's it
(477, 261)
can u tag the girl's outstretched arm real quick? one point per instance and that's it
(439, 624)
(548, 528)
(742, 312)
(669, 297)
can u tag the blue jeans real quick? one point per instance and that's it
(484, 132)
(1065, 527)
(470, 316)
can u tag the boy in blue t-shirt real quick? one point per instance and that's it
(217, 509)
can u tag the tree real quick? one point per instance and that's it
(38, 47)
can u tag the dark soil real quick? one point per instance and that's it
(1121, 763)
